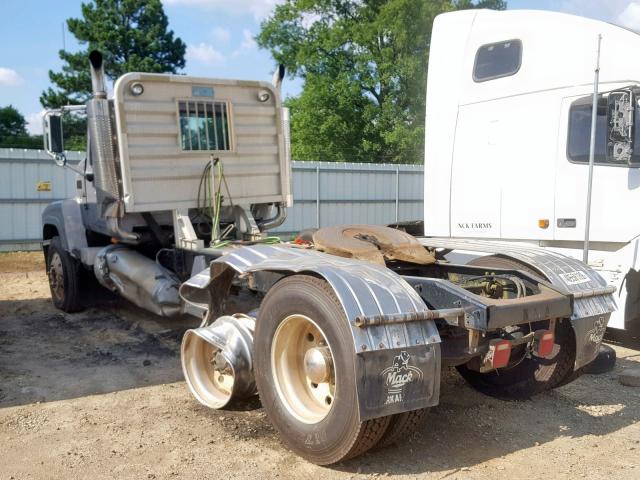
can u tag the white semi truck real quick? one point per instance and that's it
(509, 103)
(183, 179)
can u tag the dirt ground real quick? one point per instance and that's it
(99, 394)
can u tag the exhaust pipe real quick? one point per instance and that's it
(217, 361)
(138, 279)
(98, 84)
(103, 151)
(276, 221)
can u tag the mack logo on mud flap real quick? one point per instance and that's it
(397, 376)
(596, 334)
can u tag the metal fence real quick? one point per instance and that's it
(327, 193)
(324, 194)
(21, 204)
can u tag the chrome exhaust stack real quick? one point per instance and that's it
(217, 360)
(104, 152)
(98, 84)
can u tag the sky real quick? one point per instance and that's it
(218, 33)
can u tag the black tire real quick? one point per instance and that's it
(531, 375)
(401, 427)
(64, 273)
(339, 435)
(603, 363)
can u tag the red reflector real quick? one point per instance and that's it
(545, 339)
(501, 351)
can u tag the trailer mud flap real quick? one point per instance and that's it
(398, 380)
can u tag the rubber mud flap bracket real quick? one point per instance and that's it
(398, 380)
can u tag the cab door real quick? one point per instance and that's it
(616, 186)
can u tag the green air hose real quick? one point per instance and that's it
(211, 186)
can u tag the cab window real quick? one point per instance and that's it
(579, 140)
(497, 60)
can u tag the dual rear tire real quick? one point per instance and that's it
(305, 375)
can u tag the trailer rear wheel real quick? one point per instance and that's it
(305, 372)
(64, 277)
(531, 375)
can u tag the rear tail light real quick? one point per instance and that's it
(499, 353)
(543, 343)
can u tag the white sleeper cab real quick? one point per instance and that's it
(509, 104)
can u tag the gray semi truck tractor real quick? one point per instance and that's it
(183, 179)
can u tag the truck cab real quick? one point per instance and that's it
(508, 120)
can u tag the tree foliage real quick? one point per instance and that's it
(13, 130)
(12, 122)
(132, 35)
(364, 65)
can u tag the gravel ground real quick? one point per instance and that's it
(99, 394)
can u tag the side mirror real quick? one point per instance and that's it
(53, 138)
(621, 127)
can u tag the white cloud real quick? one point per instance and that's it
(205, 54)
(602, 10)
(10, 78)
(621, 12)
(248, 42)
(34, 122)
(630, 16)
(221, 35)
(260, 9)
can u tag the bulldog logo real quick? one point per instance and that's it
(398, 375)
(596, 334)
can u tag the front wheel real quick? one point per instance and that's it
(305, 372)
(64, 277)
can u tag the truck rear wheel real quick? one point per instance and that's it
(531, 375)
(64, 277)
(402, 426)
(305, 372)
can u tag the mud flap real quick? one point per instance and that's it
(589, 332)
(398, 380)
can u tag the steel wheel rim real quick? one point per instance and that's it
(210, 382)
(56, 276)
(308, 401)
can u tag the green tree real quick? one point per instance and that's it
(364, 65)
(12, 122)
(13, 130)
(132, 35)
